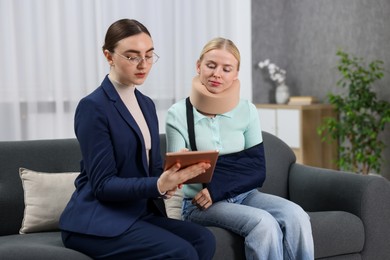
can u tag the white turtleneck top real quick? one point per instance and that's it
(128, 97)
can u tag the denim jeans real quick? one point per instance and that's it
(274, 228)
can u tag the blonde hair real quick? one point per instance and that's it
(220, 43)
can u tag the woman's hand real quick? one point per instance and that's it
(174, 177)
(203, 199)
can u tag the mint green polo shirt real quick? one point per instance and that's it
(230, 132)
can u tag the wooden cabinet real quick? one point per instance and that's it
(297, 126)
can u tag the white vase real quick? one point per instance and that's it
(282, 94)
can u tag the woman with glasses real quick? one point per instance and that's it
(113, 212)
(215, 118)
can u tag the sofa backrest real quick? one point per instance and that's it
(278, 156)
(63, 155)
(39, 155)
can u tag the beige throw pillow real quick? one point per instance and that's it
(45, 197)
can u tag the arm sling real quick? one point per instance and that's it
(235, 173)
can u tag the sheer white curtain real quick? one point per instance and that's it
(51, 55)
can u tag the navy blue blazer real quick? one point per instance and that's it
(115, 181)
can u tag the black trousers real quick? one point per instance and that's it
(151, 237)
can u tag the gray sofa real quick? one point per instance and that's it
(350, 214)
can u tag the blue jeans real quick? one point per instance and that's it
(274, 228)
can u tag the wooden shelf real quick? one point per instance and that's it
(297, 126)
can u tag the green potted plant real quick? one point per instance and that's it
(361, 116)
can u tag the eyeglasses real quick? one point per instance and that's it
(137, 59)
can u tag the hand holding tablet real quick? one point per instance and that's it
(192, 157)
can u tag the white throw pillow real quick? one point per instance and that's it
(45, 197)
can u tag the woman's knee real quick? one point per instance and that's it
(296, 220)
(265, 225)
(297, 214)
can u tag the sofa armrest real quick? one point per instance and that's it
(367, 197)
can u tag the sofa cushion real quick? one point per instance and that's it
(43, 246)
(45, 197)
(229, 244)
(336, 233)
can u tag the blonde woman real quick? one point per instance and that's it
(214, 117)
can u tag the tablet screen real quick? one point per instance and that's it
(192, 157)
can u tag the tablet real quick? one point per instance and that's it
(192, 157)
